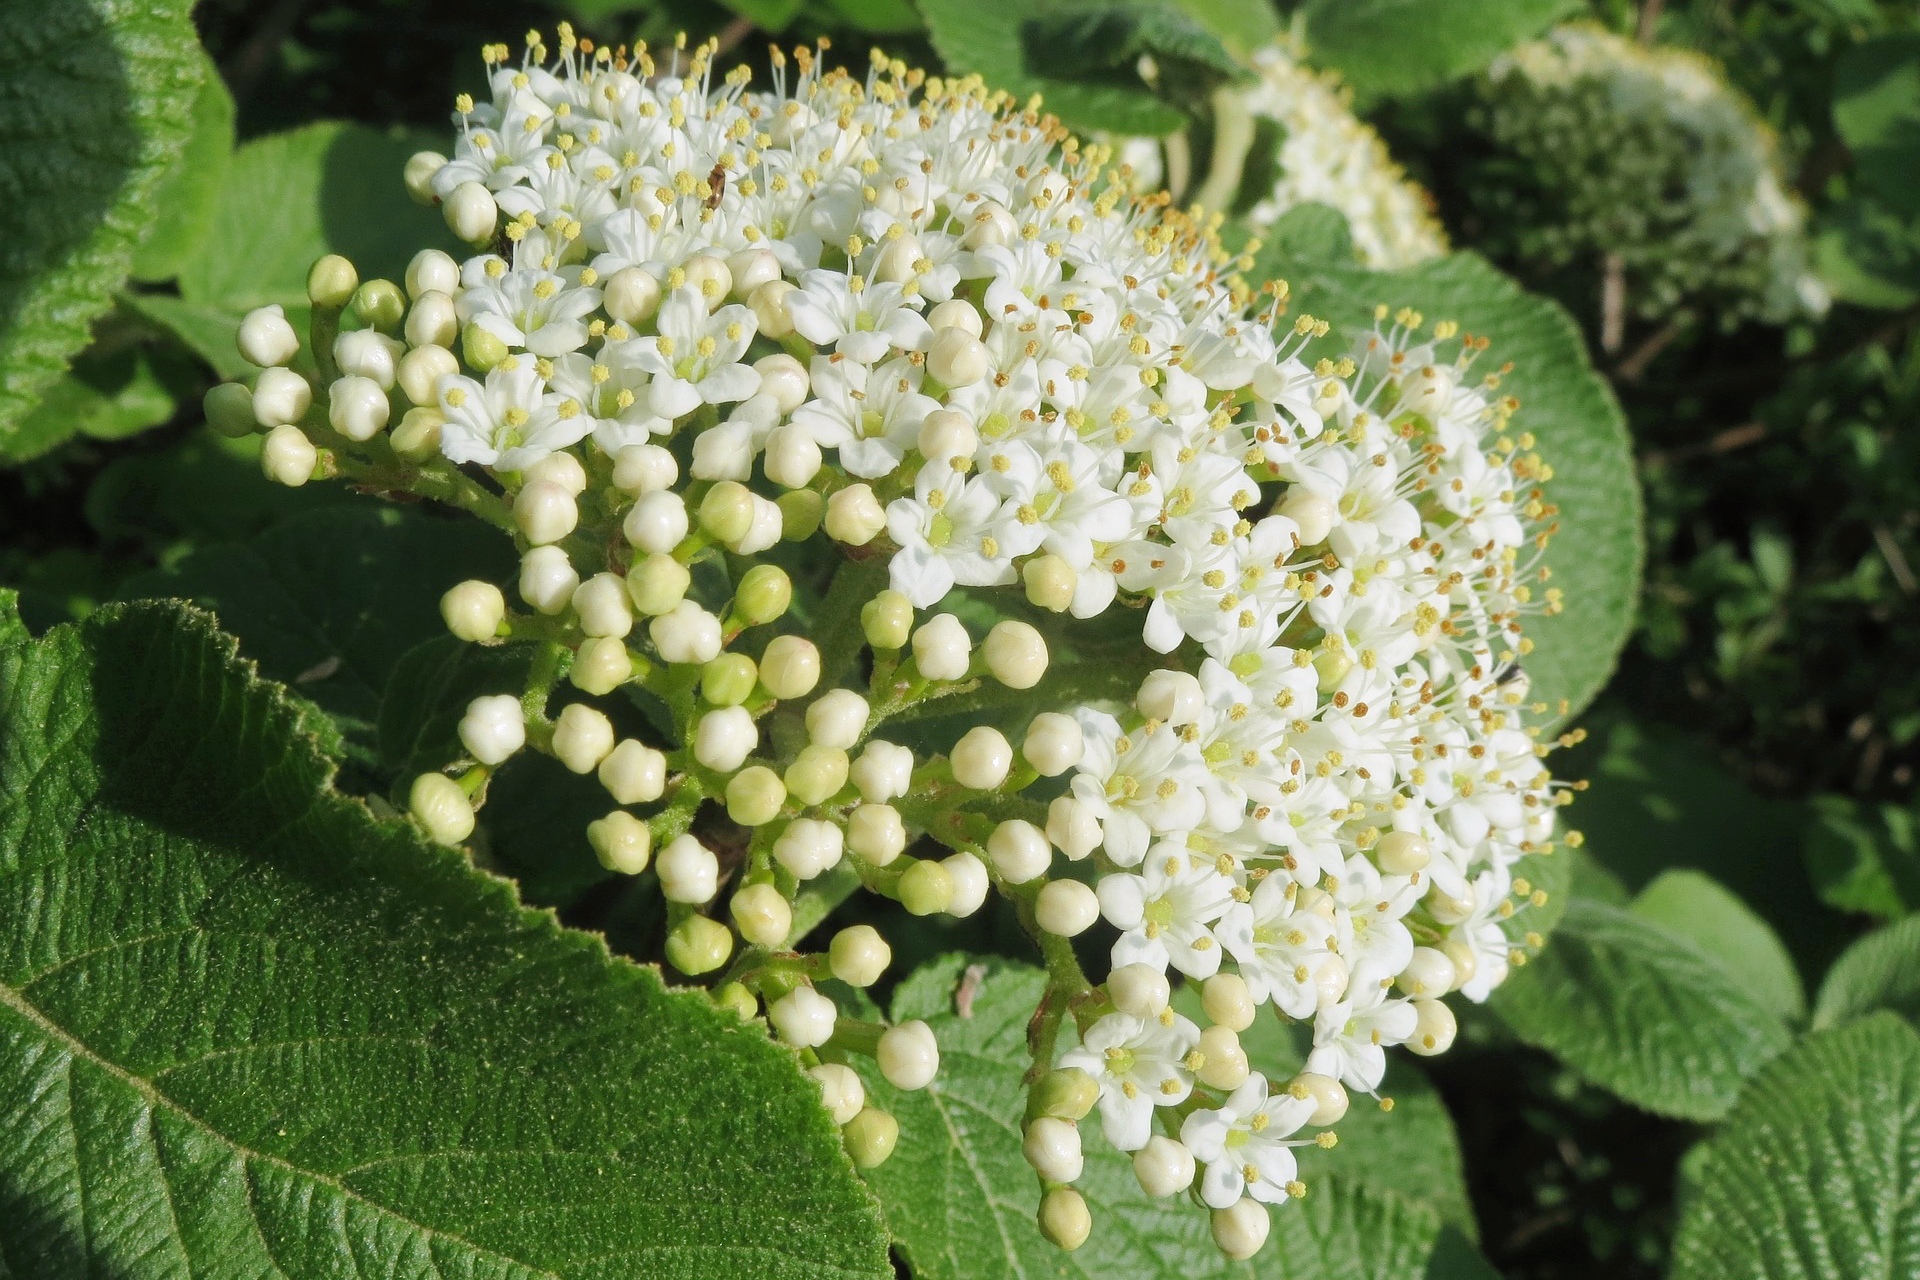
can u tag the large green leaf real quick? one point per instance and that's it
(185, 203)
(248, 1029)
(1876, 110)
(105, 395)
(1701, 910)
(96, 109)
(1881, 971)
(1397, 48)
(1642, 1012)
(960, 1197)
(1596, 556)
(1812, 1177)
(1868, 254)
(331, 601)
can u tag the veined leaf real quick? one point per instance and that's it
(246, 1028)
(1395, 48)
(1881, 971)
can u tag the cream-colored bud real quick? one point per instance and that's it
(287, 457)
(419, 173)
(1164, 1167)
(854, 516)
(432, 321)
(441, 808)
(547, 579)
(1073, 827)
(1329, 1097)
(1066, 907)
(1428, 973)
(631, 296)
(1054, 744)
(473, 610)
(621, 842)
(432, 271)
(981, 759)
(1223, 1062)
(956, 313)
(958, 359)
(634, 773)
(1433, 1029)
(1016, 654)
(908, 1055)
(1227, 1001)
(724, 738)
(1401, 853)
(841, 1092)
(471, 213)
(1019, 851)
(420, 371)
(1139, 990)
(942, 650)
(688, 871)
(761, 915)
(545, 512)
(1052, 1147)
(837, 718)
(1050, 582)
(875, 833)
(770, 311)
(602, 605)
(858, 955)
(562, 469)
(266, 337)
(967, 882)
(790, 667)
(582, 737)
(1241, 1230)
(281, 397)
(751, 268)
(1314, 514)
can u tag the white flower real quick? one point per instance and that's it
(871, 415)
(863, 324)
(532, 309)
(1279, 945)
(954, 529)
(695, 358)
(1140, 1064)
(1350, 1038)
(507, 422)
(1243, 1144)
(1165, 912)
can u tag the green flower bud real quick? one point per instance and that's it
(699, 945)
(441, 807)
(621, 841)
(658, 584)
(926, 889)
(1066, 1094)
(728, 679)
(1332, 666)
(331, 282)
(1064, 1218)
(417, 438)
(735, 997)
(817, 774)
(726, 513)
(801, 512)
(480, 349)
(380, 305)
(871, 1137)
(754, 796)
(229, 409)
(765, 592)
(887, 620)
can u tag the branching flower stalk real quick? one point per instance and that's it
(803, 407)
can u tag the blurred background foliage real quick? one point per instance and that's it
(1763, 730)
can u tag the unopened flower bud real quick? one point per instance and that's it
(764, 594)
(1464, 961)
(792, 458)
(942, 650)
(1065, 1219)
(737, 1000)
(1429, 973)
(1050, 582)
(751, 268)
(1052, 1147)
(368, 353)
(420, 371)
(808, 847)
(956, 313)
(686, 633)
(287, 457)
(482, 349)
(710, 275)
(728, 680)
(331, 282)
(883, 772)
(582, 737)
(658, 583)
(784, 380)
(803, 1018)
(1066, 907)
(417, 438)
(631, 295)
(357, 408)
(854, 515)
(547, 579)
(841, 1092)
(724, 739)
(229, 409)
(432, 271)
(982, 758)
(562, 469)
(473, 610)
(801, 512)
(657, 521)
(876, 835)
(1401, 853)
(887, 620)
(419, 174)
(266, 338)
(769, 306)
(1054, 744)
(441, 808)
(958, 359)
(1173, 697)
(432, 321)
(989, 225)
(761, 915)
(621, 842)
(380, 305)
(644, 468)
(471, 213)
(895, 262)
(1164, 1167)
(1073, 827)
(858, 955)
(600, 666)
(1227, 1001)
(817, 773)
(1446, 908)
(726, 513)
(754, 796)
(908, 1055)
(281, 397)
(870, 1137)
(1139, 990)
(969, 880)
(1328, 1096)
(1066, 1094)
(925, 889)
(688, 871)
(601, 603)
(1016, 654)
(634, 773)
(1224, 1063)
(545, 512)
(1434, 1028)
(493, 728)
(698, 945)
(1019, 851)
(1239, 1231)
(837, 718)
(1330, 981)
(1426, 391)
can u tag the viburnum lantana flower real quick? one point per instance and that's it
(942, 352)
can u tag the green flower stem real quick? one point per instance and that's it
(549, 660)
(836, 631)
(684, 795)
(444, 482)
(857, 1036)
(322, 329)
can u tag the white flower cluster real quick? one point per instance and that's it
(1735, 210)
(894, 319)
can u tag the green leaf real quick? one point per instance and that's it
(1642, 1012)
(183, 207)
(97, 108)
(1242, 25)
(1813, 1174)
(991, 39)
(428, 691)
(1088, 41)
(1596, 556)
(204, 329)
(1876, 109)
(1312, 232)
(1881, 971)
(105, 396)
(1698, 908)
(329, 602)
(1398, 48)
(249, 1029)
(878, 17)
(960, 1198)
(1869, 255)
(1863, 857)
